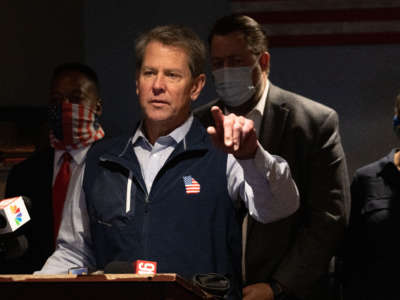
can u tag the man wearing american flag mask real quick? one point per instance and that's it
(52, 176)
(166, 193)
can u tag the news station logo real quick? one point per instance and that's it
(14, 211)
(18, 214)
(145, 267)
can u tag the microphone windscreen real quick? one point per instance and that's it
(119, 267)
(3, 222)
(14, 247)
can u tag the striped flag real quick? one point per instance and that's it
(191, 185)
(327, 22)
(73, 126)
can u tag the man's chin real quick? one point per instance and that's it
(158, 119)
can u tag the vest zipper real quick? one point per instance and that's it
(146, 218)
(146, 203)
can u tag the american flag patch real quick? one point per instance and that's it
(191, 185)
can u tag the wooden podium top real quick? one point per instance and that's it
(165, 286)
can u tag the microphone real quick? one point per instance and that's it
(13, 213)
(143, 267)
(13, 247)
(119, 267)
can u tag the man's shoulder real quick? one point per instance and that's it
(113, 144)
(39, 158)
(303, 112)
(372, 169)
(297, 103)
(30, 175)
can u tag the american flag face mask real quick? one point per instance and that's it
(73, 126)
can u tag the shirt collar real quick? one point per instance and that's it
(78, 155)
(260, 106)
(177, 135)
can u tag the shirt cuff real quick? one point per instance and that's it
(258, 165)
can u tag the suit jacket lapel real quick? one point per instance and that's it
(272, 126)
(274, 121)
(50, 166)
(46, 203)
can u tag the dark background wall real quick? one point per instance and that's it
(359, 81)
(35, 37)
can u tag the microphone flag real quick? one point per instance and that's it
(14, 211)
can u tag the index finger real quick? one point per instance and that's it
(218, 117)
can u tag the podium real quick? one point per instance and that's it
(106, 286)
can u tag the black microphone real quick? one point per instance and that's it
(13, 247)
(13, 215)
(3, 222)
(119, 267)
(143, 267)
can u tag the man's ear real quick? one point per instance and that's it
(198, 84)
(137, 75)
(99, 107)
(264, 61)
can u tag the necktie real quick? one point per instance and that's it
(60, 189)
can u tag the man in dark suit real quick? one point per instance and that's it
(288, 259)
(372, 250)
(73, 111)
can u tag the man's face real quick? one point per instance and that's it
(230, 51)
(165, 85)
(74, 87)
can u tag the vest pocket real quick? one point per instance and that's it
(376, 211)
(111, 199)
(375, 205)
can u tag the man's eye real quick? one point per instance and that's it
(173, 76)
(148, 73)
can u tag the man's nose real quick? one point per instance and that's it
(158, 85)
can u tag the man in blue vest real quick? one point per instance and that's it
(167, 194)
